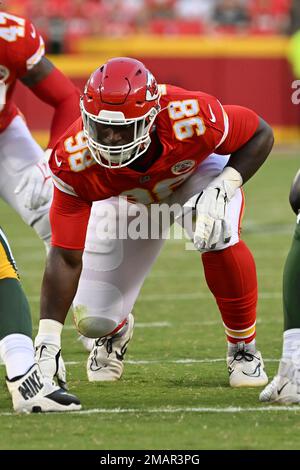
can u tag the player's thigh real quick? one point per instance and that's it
(114, 269)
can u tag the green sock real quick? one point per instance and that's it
(14, 309)
(291, 284)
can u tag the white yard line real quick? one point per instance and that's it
(166, 361)
(173, 410)
(157, 324)
(196, 324)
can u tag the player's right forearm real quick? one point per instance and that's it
(60, 283)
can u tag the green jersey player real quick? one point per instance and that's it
(285, 387)
(29, 390)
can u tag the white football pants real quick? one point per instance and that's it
(18, 152)
(114, 269)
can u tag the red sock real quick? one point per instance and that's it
(231, 277)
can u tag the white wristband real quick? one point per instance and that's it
(230, 175)
(230, 179)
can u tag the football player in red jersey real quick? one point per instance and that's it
(25, 183)
(153, 145)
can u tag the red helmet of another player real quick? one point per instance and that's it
(118, 106)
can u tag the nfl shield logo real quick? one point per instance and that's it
(183, 167)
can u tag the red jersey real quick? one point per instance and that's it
(21, 47)
(190, 126)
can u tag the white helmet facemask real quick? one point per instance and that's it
(115, 141)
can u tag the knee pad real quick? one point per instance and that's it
(97, 308)
(92, 326)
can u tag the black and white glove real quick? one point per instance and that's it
(48, 356)
(211, 205)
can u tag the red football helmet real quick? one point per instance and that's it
(118, 106)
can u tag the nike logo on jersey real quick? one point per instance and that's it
(58, 162)
(33, 32)
(213, 117)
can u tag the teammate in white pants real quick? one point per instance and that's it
(25, 183)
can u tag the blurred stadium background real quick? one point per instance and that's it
(244, 52)
(235, 49)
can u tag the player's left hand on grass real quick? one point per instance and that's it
(35, 187)
(211, 205)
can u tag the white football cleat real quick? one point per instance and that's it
(285, 387)
(32, 393)
(246, 369)
(105, 361)
(51, 363)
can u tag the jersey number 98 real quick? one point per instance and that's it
(188, 123)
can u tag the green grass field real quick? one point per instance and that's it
(174, 393)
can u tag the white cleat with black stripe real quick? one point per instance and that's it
(285, 387)
(32, 393)
(246, 368)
